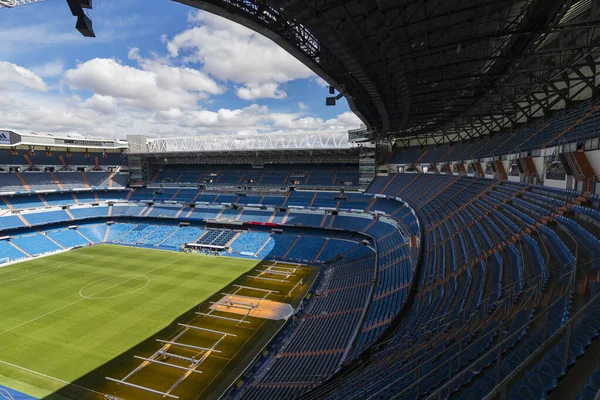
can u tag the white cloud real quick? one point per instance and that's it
(252, 91)
(347, 119)
(11, 74)
(32, 37)
(257, 118)
(157, 96)
(170, 114)
(102, 104)
(231, 52)
(25, 113)
(102, 116)
(107, 77)
(153, 87)
(321, 82)
(50, 69)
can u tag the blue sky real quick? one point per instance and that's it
(156, 67)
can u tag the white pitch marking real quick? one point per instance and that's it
(48, 376)
(93, 297)
(83, 299)
(43, 272)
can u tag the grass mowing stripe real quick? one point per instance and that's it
(76, 339)
(82, 299)
(47, 376)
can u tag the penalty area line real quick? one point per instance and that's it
(39, 273)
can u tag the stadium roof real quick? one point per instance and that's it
(449, 69)
(10, 138)
(241, 142)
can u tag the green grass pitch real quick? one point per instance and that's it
(78, 316)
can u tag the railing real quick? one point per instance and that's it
(531, 293)
(565, 332)
(588, 185)
(577, 172)
(556, 152)
(501, 388)
(432, 335)
(464, 320)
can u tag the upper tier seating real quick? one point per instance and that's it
(19, 202)
(88, 212)
(28, 181)
(58, 158)
(27, 201)
(273, 175)
(10, 221)
(10, 182)
(575, 125)
(46, 217)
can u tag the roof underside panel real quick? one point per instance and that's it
(419, 68)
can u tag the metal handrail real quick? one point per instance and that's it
(588, 185)
(574, 166)
(500, 345)
(443, 327)
(517, 331)
(485, 302)
(507, 300)
(531, 292)
(464, 326)
(501, 388)
(475, 252)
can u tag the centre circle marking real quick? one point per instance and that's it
(128, 277)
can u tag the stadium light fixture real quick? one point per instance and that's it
(332, 101)
(84, 23)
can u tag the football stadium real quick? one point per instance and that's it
(449, 248)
